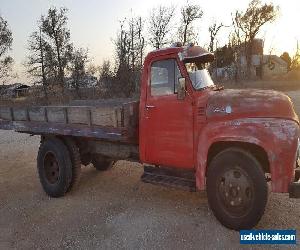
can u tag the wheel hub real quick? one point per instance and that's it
(51, 168)
(235, 190)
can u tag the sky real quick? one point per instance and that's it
(94, 23)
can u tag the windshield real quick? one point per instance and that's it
(199, 75)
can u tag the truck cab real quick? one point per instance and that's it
(234, 141)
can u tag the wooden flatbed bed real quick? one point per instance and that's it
(112, 120)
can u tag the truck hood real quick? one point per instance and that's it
(249, 103)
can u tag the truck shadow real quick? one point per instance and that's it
(123, 183)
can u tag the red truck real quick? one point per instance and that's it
(187, 132)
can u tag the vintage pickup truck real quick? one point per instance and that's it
(188, 133)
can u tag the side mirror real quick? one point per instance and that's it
(181, 89)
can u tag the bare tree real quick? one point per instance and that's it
(39, 60)
(54, 27)
(136, 42)
(106, 79)
(213, 29)
(189, 13)
(78, 69)
(129, 47)
(92, 69)
(159, 25)
(234, 44)
(105, 71)
(122, 46)
(5, 45)
(295, 64)
(249, 23)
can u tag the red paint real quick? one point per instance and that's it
(169, 138)
(277, 137)
(179, 133)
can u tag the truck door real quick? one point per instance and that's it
(169, 121)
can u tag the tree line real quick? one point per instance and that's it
(56, 64)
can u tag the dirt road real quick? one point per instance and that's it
(112, 210)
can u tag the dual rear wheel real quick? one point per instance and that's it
(59, 165)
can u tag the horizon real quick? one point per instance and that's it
(94, 25)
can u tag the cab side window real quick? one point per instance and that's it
(164, 77)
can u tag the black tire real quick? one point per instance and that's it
(297, 175)
(237, 191)
(102, 163)
(76, 162)
(54, 167)
(297, 172)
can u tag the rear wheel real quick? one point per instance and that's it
(54, 167)
(236, 189)
(102, 163)
(76, 162)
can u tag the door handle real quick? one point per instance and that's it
(150, 106)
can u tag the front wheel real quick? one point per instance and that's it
(237, 191)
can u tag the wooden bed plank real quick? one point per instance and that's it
(78, 115)
(104, 116)
(6, 113)
(20, 114)
(56, 114)
(37, 114)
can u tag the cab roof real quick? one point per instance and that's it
(186, 54)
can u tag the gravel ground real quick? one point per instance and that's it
(113, 209)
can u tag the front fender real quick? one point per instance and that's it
(278, 137)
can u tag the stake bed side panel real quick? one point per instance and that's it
(108, 122)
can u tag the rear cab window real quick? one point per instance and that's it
(164, 77)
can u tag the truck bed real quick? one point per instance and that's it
(114, 119)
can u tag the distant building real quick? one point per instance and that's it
(274, 66)
(262, 66)
(14, 90)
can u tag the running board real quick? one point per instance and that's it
(169, 177)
